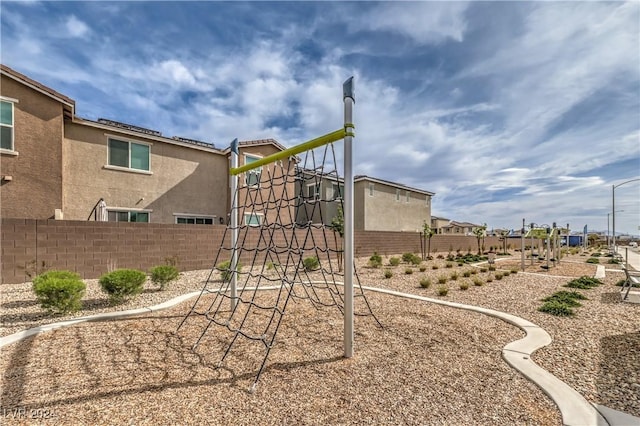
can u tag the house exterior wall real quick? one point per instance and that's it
(182, 180)
(437, 224)
(383, 212)
(35, 190)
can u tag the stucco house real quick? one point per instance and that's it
(55, 164)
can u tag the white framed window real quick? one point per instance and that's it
(7, 125)
(253, 219)
(371, 187)
(407, 193)
(313, 191)
(126, 154)
(252, 177)
(397, 195)
(192, 219)
(120, 215)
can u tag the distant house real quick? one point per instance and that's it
(379, 205)
(57, 165)
(437, 223)
(441, 225)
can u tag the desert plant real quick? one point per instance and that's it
(311, 263)
(408, 271)
(425, 283)
(489, 279)
(460, 263)
(498, 276)
(506, 273)
(464, 285)
(443, 290)
(163, 275)
(513, 271)
(483, 269)
(388, 273)
(624, 281)
(466, 274)
(554, 307)
(440, 256)
(442, 280)
(584, 283)
(375, 261)
(613, 261)
(478, 282)
(593, 260)
(492, 268)
(570, 298)
(434, 267)
(454, 276)
(449, 265)
(122, 284)
(59, 291)
(423, 268)
(225, 270)
(394, 261)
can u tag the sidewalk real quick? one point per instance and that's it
(633, 259)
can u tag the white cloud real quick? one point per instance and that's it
(75, 27)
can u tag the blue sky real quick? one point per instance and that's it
(505, 110)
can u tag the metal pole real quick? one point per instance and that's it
(608, 245)
(613, 213)
(235, 153)
(349, 99)
(522, 246)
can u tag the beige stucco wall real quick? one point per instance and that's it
(382, 212)
(183, 179)
(36, 189)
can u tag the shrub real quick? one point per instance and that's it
(423, 268)
(569, 298)
(492, 268)
(483, 269)
(506, 273)
(434, 267)
(489, 279)
(464, 285)
(554, 307)
(478, 282)
(394, 261)
(271, 265)
(449, 265)
(225, 270)
(498, 276)
(408, 271)
(460, 263)
(593, 260)
(454, 276)
(442, 280)
(311, 263)
(388, 273)
(122, 284)
(623, 282)
(613, 261)
(584, 283)
(59, 291)
(407, 257)
(474, 271)
(513, 271)
(466, 274)
(425, 283)
(163, 275)
(440, 256)
(443, 290)
(375, 261)
(416, 260)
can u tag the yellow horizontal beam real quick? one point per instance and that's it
(290, 152)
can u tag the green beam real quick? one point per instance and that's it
(290, 152)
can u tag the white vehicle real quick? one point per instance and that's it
(633, 244)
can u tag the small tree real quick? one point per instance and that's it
(428, 233)
(480, 233)
(337, 224)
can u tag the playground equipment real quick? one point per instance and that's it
(292, 256)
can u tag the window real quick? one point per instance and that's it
(407, 195)
(129, 155)
(397, 195)
(127, 216)
(195, 220)
(252, 177)
(252, 219)
(371, 185)
(337, 191)
(313, 191)
(6, 125)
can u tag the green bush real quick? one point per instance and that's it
(375, 261)
(425, 283)
(489, 279)
(584, 283)
(394, 261)
(466, 274)
(593, 260)
(443, 290)
(557, 308)
(483, 269)
(163, 275)
(388, 273)
(225, 270)
(492, 268)
(506, 273)
(408, 271)
(498, 276)
(59, 291)
(613, 261)
(311, 263)
(407, 257)
(454, 276)
(122, 284)
(423, 268)
(464, 285)
(569, 298)
(442, 280)
(478, 282)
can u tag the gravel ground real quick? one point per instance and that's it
(428, 365)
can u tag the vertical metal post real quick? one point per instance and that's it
(522, 246)
(348, 97)
(235, 153)
(613, 213)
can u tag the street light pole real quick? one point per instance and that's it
(613, 208)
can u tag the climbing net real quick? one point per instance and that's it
(287, 241)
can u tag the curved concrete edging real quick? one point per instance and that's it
(575, 409)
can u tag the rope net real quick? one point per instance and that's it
(289, 244)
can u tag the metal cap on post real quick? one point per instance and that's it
(349, 100)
